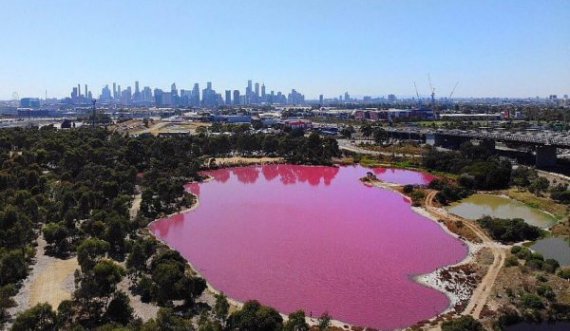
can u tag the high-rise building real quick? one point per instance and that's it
(174, 94)
(105, 95)
(249, 92)
(228, 97)
(126, 96)
(86, 92)
(158, 97)
(321, 100)
(115, 96)
(196, 95)
(295, 98)
(209, 96)
(146, 95)
(257, 90)
(79, 90)
(263, 92)
(236, 97)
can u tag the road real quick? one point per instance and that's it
(481, 293)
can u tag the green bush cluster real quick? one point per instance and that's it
(509, 230)
(535, 260)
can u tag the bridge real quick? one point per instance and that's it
(543, 144)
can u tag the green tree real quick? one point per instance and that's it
(296, 322)
(41, 317)
(255, 317)
(56, 235)
(90, 251)
(12, 267)
(539, 185)
(119, 309)
(464, 323)
(324, 321)
(221, 307)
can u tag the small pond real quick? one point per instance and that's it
(554, 248)
(479, 205)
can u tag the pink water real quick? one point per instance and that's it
(315, 238)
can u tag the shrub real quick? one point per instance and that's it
(530, 300)
(546, 291)
(516, 249)
(464, 323)
(550, 265)
(408, 189)
(512, 261)
(564, 273)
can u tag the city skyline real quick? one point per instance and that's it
(493, 48)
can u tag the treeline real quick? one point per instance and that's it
(76, 186)
(509, 231)
(478, 166)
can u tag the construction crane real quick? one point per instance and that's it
(432, 91)
(418, 95)
(453, 91)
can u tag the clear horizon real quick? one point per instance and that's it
(492, 48)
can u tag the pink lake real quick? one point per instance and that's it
(317, 239)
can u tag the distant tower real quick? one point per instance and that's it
(78, 90)
(86, 91)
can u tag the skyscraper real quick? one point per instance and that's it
(236, 97)
(263, 92)
(137, 95)
(174, 95)
(249, 92)
(321, 99)
(196, 95)
(158, 97)
(115, 91)
(228, 97)
(257, 90)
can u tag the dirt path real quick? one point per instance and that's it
(483, 290)
(51, 280)
(135, 206)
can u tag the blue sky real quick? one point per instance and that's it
(365, 47)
